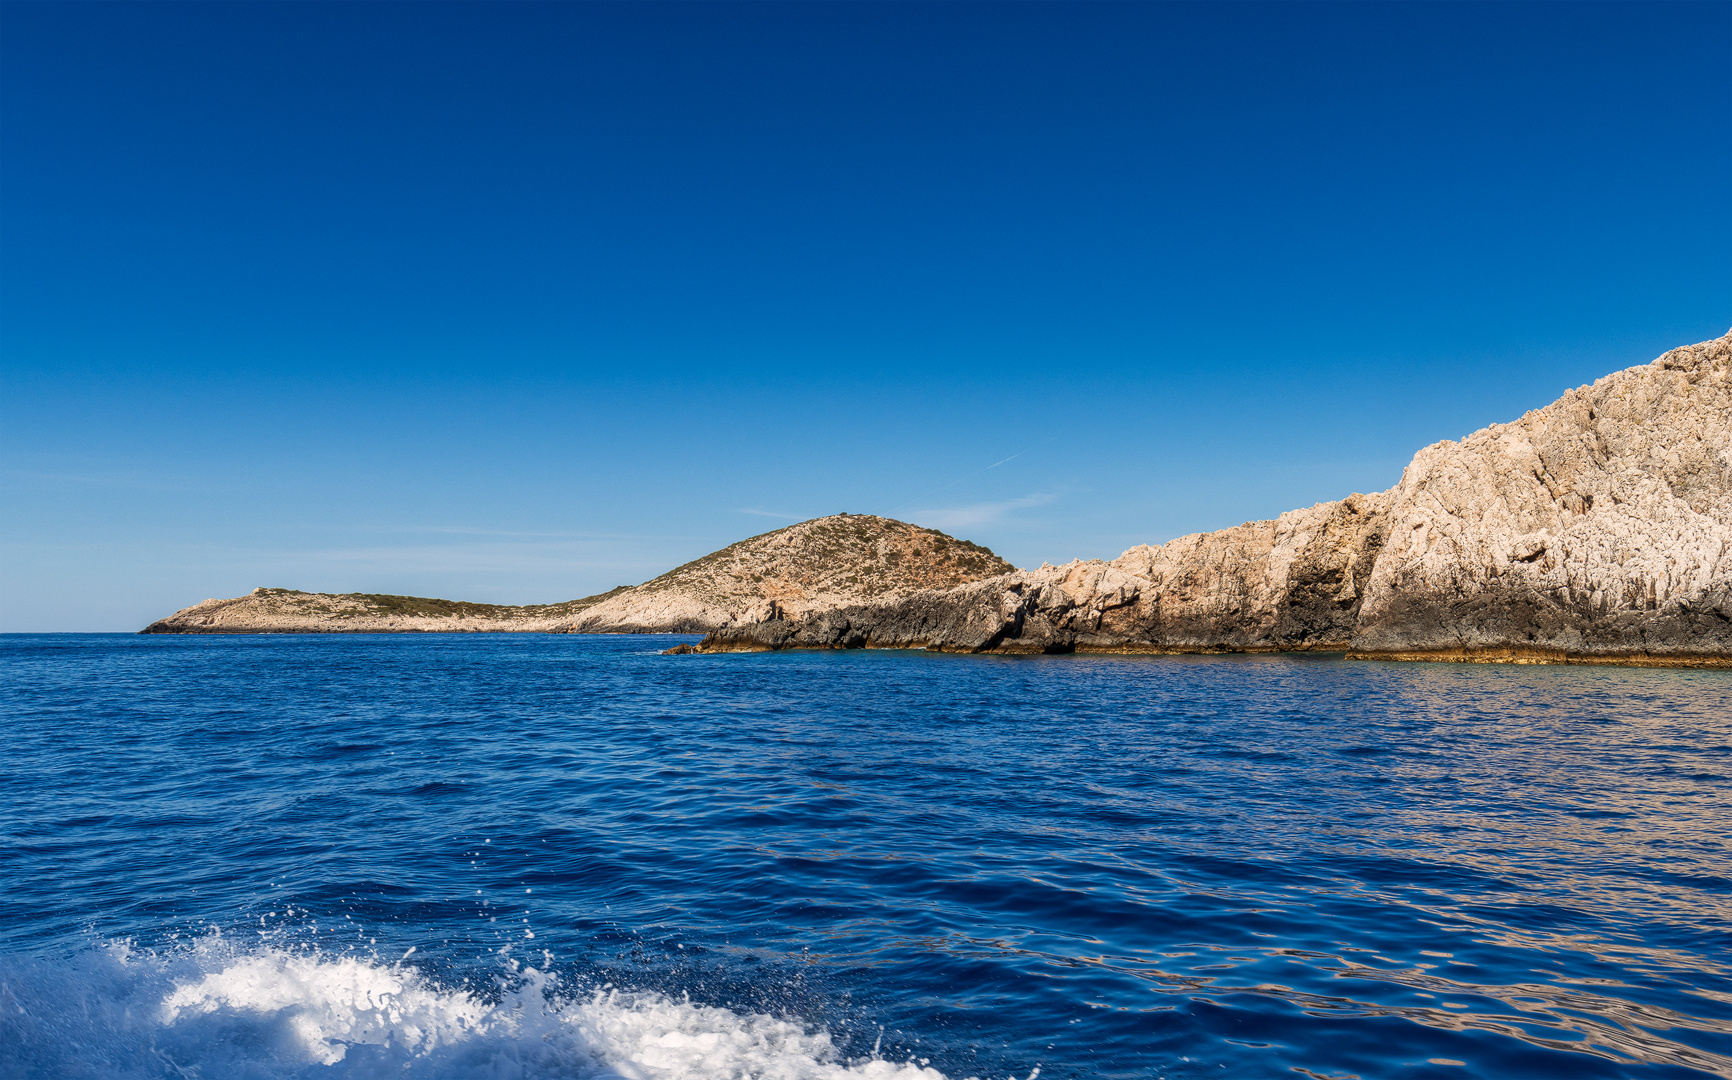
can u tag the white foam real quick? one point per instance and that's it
(331, 1005)
(213, 1010)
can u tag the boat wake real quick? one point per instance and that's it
(212, 1010)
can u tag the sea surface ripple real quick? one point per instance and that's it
(536, 856)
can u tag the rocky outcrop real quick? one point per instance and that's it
(1287, 584)
(830, 562)
(818, 565)
(1597, 529)
(1292, 583)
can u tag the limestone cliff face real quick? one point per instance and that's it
(1291, 583)
(817, 565)
(1597, 529)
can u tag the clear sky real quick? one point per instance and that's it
(517, 303)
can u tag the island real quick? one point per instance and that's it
(1597, 529)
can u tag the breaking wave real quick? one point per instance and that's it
(214, 1010)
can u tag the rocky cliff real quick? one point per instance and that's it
(831, 562)
(1288, 584)
(1597, 529)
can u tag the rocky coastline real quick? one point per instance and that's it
(1597, 529)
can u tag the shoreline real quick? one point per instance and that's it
(1496, 655)
(1594, 530)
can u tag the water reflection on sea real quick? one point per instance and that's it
(1113, 866)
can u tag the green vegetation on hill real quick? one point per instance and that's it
(362, 605)
(858, 553)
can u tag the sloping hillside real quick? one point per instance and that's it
(289, 611)
(824, 563)
(815, 565)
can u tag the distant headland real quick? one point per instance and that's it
(792, 573)
(1595, 530)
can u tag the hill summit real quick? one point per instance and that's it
(816, 565)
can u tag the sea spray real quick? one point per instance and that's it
(213, 1008)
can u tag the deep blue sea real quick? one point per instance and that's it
(523, 856)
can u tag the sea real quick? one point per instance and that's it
(517, 856)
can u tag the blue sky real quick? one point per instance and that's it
(517, 303)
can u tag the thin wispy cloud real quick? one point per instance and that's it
(771, 514)
(344, 569)
(965, 477)
(976, 514)
(464, 530)
(935, 492)
(480, 557)
(464, 559)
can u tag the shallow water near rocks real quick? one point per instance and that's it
(561, 856)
